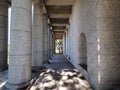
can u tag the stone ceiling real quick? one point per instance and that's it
(59, 12)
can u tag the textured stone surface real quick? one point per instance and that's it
(109, 32)
(50, 44)
(67, 43)
(37, 36)
(84, 20)
(60, 75)
(45, 42)
(3, 79)
(3, 34)
(48, 41)
(99, 20)
(20, 45)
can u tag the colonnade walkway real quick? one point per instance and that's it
(60, 75)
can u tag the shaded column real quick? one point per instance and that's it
(48, 42)
(51, 44)
(45, 39)
(53, 41)
(109, 44)
(19, 73)
(37, 35)
(64, 44)
(3, 34)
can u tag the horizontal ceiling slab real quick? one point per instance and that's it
(58, 36)
(59, 2)
(60, 9)
(59, 15)
(60, 20)
(59, 24)
(60, 30)
(59, 27)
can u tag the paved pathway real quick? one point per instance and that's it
(60, 75)
(3, 78)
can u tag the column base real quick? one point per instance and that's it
(10, 86)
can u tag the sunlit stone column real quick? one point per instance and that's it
(109, 44)
(68, 48)
(3, 34)
(66, 42)
(37, 35)
(19, 73)
(45, 39)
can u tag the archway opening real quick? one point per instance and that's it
(59, 46)
(83, 51)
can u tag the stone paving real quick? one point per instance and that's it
(3, 78)
(60, 75)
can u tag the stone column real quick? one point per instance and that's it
(51, 44)
(37, 35)
(45, 39)
(66, 42)
(19, 73)
(109, 44)
(3, 34)
(48, 42)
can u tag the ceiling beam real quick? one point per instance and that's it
(60, 20)
(61, 9)
(59, 24)
(59, 2)
(59, 27)
(59, 15)
(58, 33)
(59, 30)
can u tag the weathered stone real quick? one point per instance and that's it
(108, 31)
(20, 45)
(45, 42)
(3, 34)
(37, 35)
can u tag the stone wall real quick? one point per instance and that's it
(101, 28)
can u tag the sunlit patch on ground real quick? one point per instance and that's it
(64, 77)
(61, 80)
(3, 78)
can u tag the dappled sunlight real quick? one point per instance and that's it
(2, 84)
(3, 78)
(60, 74)
(66, 79)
